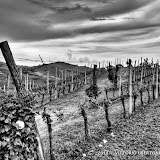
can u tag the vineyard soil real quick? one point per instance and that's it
(138, 133)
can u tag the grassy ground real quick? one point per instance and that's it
(136, 134)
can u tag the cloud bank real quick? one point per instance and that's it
(92, 29)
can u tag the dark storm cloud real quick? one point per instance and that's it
(25, 20)
(62, 9)
(119, 27)
(73, 8)
(69, 10)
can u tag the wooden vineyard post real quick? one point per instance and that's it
(85, 74)
(11, 65)
(49, 125)
(157, 70)
(27, 82)
(153, 83)
(72, 82)
(123, 103)
(153, 75)
(83, 112)
(141, 82)
(18, 84)
(148, 89)
(48, 81)
(106, 105)
(134, 75)
(62, 74)
(76, 82)
(94, 82)
(30, 85)
(144, 72)
(94, 75)
(120, 82)
(8, 83)
(130, 87)
(65, 76)
(21, 74)
(56, 89)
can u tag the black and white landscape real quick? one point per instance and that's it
(79, 79)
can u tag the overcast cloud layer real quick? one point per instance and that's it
(64, 29)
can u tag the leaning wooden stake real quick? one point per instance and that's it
(130, 87)
(18, 83)
(11, 65)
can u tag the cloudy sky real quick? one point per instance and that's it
(80, 30)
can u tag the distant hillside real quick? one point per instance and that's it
(38, 73)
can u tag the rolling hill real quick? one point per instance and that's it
(39, 73)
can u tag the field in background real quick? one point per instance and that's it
(128, 135)
(138, 132)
